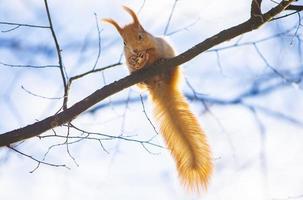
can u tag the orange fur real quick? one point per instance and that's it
(181, 131)
(183, 136)
(112, 22)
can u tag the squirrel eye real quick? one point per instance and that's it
(124, 43)
(140, 37)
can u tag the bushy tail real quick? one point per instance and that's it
(183, 136)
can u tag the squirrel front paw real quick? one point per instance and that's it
(137, 61)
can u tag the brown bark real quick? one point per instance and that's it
(69, 114)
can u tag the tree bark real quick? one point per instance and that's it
(257, 19)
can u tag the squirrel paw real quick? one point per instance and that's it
(137, 61)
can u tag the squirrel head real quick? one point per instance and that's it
(135, 38)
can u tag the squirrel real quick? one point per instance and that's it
(180, 129)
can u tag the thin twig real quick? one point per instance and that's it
(26, 25)
(10, 29)
(70, 81)
(146, 115)
(98, 136)
(170, 17)
(141, 7)
(37, 160)
(36, 95)
(58, 49)
(269, 66)
(254, 42)
(70, 113)
(283, 16)
(183, 28)
(262, 130)
(94, 71)
(99, 42)
(67, 145)
(297, 29)
(103, 148)
(29, 66)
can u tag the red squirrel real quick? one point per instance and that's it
(180, 129)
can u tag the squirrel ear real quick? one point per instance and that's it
(132, 13)
(114, 23)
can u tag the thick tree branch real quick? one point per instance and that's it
(70, 113)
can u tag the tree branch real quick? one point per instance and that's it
(295, 7)
(20, 24)
(58, 49)
(39, 162)
(256, 8)
(70, 113)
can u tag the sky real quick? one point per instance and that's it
(256, 145)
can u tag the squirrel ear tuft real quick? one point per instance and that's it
(132, 13)
(112, 22)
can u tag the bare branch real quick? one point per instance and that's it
(283, 16)
(99, 42)
(170, 17)
(36, 95)
(98, 137)
(237, 44)
(58, 49)
(94, 71)
(295, 7)
(142, 6)
(70, 81)
(269, 66)
(147, 117)
(39, 162)
(279, 115)
(69, 114)
(28, 66)
(259, 88)
(26, 25)
(262, 130)
(11, 29)
(256, 8)
(183, 28)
